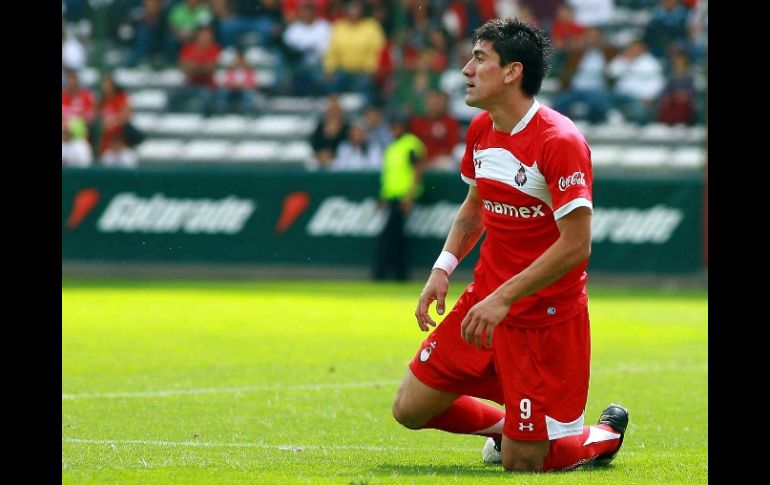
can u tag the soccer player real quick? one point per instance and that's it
(519, 334)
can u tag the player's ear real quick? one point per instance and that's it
(513, 71)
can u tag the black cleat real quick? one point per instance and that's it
(616, 416)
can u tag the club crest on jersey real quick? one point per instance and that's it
(521, 176)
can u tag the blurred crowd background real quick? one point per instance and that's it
(314, 84)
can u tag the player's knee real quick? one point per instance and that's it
(522, 464)
(406, 415)
(524, 456)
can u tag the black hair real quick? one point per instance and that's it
(515, 40)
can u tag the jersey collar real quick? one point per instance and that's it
(527, 117)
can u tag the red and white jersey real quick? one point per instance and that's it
(527, 180)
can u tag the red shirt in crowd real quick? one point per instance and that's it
(440, 135)
(81, 104)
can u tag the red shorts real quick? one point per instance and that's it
(540, 375)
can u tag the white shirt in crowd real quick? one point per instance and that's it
(589, 75)
(356, 158)
(641, 77)
(76, 153)
(312, 39)
(73, 54)
(593, 13)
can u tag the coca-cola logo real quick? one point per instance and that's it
(577, 178)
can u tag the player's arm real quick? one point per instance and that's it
(465, 232)
(571, 248)
(467, 227)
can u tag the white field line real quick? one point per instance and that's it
(297, 448)
(623, 368)
(209, 444)
(226, 390)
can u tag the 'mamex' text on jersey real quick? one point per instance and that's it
(528, 179)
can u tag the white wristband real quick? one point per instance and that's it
(446, 261)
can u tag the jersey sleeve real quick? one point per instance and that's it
(568, 172)
(467, 167)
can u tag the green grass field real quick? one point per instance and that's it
(276, 382)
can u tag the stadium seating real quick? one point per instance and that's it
(279, 132)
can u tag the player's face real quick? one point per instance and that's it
(483, 76)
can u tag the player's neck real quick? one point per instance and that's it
(506, 116)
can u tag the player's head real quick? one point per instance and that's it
(399, 123)
(506, 52)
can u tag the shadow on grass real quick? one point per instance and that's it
(429, 470)
(480, 470)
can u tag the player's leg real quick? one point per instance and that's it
(523, 456)
(415, 403)
(545, 374)
(442, 376)
(596, 444)
(418, 406)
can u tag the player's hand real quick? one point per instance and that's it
(435, 290)
(479, 323)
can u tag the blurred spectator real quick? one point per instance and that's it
(388, 61)
(119, 154)
(593, 13)
(75, 149)
(377, 128)
(183, 21)
(677, 102)
(150, 30)
(356, 153)
(667, 27)
(335, 9)
(76, 100)
(697, 25)
(384, 12)
(73, 54)
(306, 40)
(237, 87)
(637, 77)
(400, 186)
(240, 18)
(416, 34)
(452, 81)
(290, 9)
(114, 112)
(330, 131)
(527, 13)
(463, 17)
(566, 31)
(198, 60)
(412, 87)
(585, 93)
(509, 8)
(566, 36)
(544, 11)
(353, 52)
(438, 130)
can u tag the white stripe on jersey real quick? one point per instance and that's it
(501, 165)
(570, 206)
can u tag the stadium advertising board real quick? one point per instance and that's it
(264, 217)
